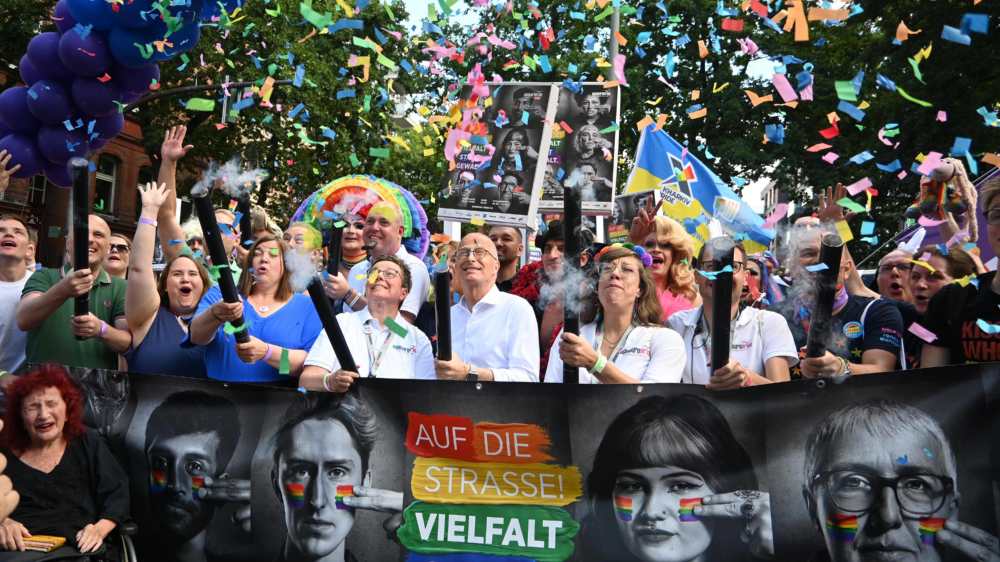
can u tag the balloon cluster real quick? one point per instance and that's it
(79, 78)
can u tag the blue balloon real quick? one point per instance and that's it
(184, 39)
(43, 50)
(85, 55)
(97, 13)
(58, 174)
(24, 152)
(123, 43)
(59, 145)
(62, 17)
(49, 102)
(29, 74)
(95, 98)
(14, 113)
(136, 14)
(135, 79)
(105, 129)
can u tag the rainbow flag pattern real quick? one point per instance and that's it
(296, 494)
(843, 527)
(929, 526)
(623, 508)
(686, 511)
(197, 483)
(343, 492)
(159, 481)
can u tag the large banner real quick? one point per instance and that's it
(888, 467)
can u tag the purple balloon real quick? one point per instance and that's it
(62, 17)
(58, 174)
(59, 145)
(43, 50)
(85, 56)
(95, 98)
(106, 128)
(184, 39)
(49, 102)
(29, 74)
(24, 152)
(135, 79)
(14, 113)
(136, 14)
(123, 41)
(92, 12)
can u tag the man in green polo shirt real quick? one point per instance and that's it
(46, 310)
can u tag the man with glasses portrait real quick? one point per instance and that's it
(494, 334)
(384, 344)
(881, 484)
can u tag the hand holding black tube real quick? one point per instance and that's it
(571, 257)
(220, 261)
(79, 170)
(722, 304)
(442, 306)
(826, 280)
(331, 326)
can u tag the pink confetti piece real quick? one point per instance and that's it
(901, 174)
(619, 67)
(806, 94)
(819, 147)
(780, 210)
(748, 46)
(942, 116)
(928, 222)
(859, 186)
(921, 332)
(830, 157)
(930, 162)
(784, 88)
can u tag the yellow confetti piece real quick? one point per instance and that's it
(844, 230)
(373, 277)
(654, 102)
(267, 89)
(477, 221)
(428, 152)
(717, 89)
(924, 265)
(964, 281)
(398, 141)
(924, 53)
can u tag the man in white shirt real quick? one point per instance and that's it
(762, 349)
(15, 245)
(383, 236)
(384, 344)
(494, 336)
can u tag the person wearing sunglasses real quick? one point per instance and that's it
(384, 344)
(117, 260)
(957, 312)
(623, 340)
(894, 274)
(881, 483)
(761, 347)
(494, 336)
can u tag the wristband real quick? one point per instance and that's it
(150, 222)
(354, 301)
(267, 354)
(326, 378)
(104, 328)
(599, 365)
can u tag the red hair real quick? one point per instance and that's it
(15, 436)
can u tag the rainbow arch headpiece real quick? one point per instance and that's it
(356, 195)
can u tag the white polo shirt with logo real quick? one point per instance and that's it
(649, 354)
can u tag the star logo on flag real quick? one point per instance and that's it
(684, 176)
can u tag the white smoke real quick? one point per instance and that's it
(301, 269)
(568, 288)
(234, 180)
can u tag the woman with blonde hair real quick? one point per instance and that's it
(672, 250)
(623, 341)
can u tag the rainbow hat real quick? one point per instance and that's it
(623, 508)
(296, 494)
(930, 527)
(844, 527)
(686, 511)
(355, 195)
(343, 492)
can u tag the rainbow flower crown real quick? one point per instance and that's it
(639, 251)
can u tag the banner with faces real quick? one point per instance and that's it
(884, 467)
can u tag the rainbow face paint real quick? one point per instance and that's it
(296, 494)
(197, 483)
(929, 526)
(843, 527)
(344, 492)
(159, 484)
(687, 506)
(623, 508)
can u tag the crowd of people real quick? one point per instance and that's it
(646, 308)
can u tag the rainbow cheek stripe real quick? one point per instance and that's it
(296, 494)
(687, 506)
(930, 527)
(623, 508)
(159, 481)
(197, 483)
(343, 492)
(843, 527)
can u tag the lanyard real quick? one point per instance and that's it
(375, 358)
(618, 346)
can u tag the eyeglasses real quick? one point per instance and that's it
(387, 274)
(713, 265)
(624, 269)
(901, 266)
(355, 225)
(918, 495)
(120, 248)
(654, 244)
(193, 241)
(993, 216)
(753, 272)
(478, 253)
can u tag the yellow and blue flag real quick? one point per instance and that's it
(692, 194)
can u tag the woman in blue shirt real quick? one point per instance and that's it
(281, 323)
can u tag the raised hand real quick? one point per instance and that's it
(829, 210)
(751, 506)
(153, 195)
(173, 147)
(5, 174)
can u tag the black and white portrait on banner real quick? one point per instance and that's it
(498, 173)
(671, 474)
(585, 146)
(328, 477)
(863, 474)
(626, 208)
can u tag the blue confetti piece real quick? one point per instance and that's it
(295, 112)
(543, 62)
(775, 133)
(300, 74)
(328, 133)
(850, 109)
(975, 23)
(342, 24)
(346, 93)
(175, 242)
(817, 267)
(242, 104)
(711, 275)
(885, 83)
(861, 158)
(867, 228)
(84, 30)
(961, 146)
(949, 33)
(987, 327)
(890, 167)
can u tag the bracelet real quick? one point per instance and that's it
(150, 222)
(268, 353)
(354, 301)
(599, 365)
(104, 328)
(326, 378)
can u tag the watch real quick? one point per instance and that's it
(845, 368)
(472, 375)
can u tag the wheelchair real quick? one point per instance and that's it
(118, 547)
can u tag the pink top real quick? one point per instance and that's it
(672, 303)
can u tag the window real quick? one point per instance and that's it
(36, 190)
(105, 183)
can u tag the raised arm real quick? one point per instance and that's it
(141, 298)
(171, 151)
